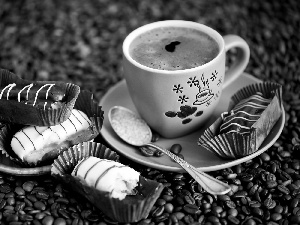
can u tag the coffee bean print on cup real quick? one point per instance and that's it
(205, 96)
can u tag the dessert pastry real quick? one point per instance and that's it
(38, 103)
(108, 176)
(252, 113)
(74, 168)
(32, 143)
(244, 114)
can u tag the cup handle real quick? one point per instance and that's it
(242, 59)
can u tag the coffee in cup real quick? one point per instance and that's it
(175, 72)
(173, 48)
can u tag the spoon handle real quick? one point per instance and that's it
(209, 183)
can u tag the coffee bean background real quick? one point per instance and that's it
(80, 42)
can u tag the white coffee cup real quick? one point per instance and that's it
(177, 102)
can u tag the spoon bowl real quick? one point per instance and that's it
(135, 131)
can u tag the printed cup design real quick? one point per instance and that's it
(205, 96)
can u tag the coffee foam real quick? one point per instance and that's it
(192, 48)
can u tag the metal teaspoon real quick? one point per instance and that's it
(135, 131)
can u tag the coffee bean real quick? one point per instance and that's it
(188, 219)
(5, 188)
(161, 218)
(230, 204)
(147, 151)
(269, 203)
(11, 201)
(223, 197)
(169, 207)
(64, 213)
(34, 211)
(191, 209)
(31, 198)
(167, 198)
(12, 218)
(257, 212)
(25, 217)
(213, 219)
(27, 202)
(19, 191)
(39, 205)
(9, 207)
(59, 221)
(158, 211)
(246, 177)
(160, 202)
(62, 200)
(173, 218)
(155, 137)
(296, 211)
(271, 184)
(240, 194)
(217, 209)
(176, 149)
(78, 221)
(179, 200)
(233, 212)
(20, 206)
(180, 156)
(276, 216)
(178, 214)
(233, 219)
(283, 189)
(28, 186)
(40, 215)
(48, 220)
(294, 202)
(189, 199)
(254, 204)
(295, 219)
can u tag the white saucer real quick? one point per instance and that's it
(192, 152)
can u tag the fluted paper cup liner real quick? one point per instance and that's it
(84, 103)
(7, 131)
(233, 145)
(12, 111)
(131, 209)
(87, 104)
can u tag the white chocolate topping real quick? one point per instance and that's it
(108, 176)
(31, 141)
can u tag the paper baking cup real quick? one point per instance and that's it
(87, 104)
(234, 145)
(131, 209)
(13, 111)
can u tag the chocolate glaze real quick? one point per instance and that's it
(244, 114)
(32, 93)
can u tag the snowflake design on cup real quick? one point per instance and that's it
(205, 96)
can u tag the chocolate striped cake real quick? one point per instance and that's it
(35, 94)
(244, 114)
(108, 176)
